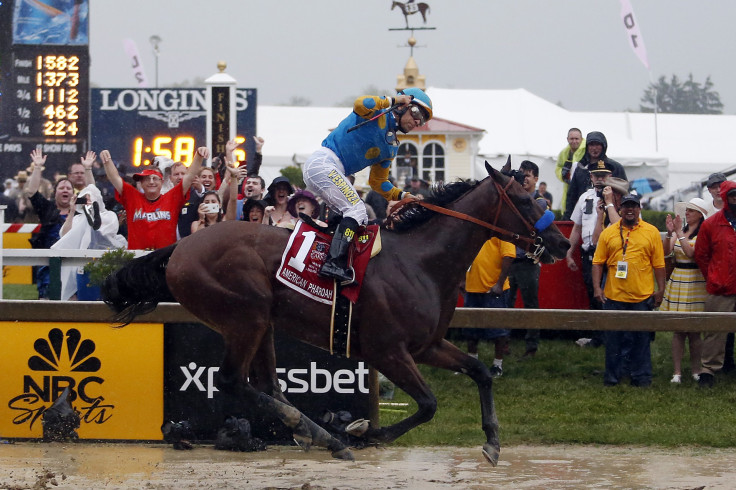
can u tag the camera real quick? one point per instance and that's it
(517, 175)
(211, 207)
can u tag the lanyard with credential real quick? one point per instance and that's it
(624, 243)
(622, 268)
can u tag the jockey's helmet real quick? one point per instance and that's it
(421, 99)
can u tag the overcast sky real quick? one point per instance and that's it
(572, 52)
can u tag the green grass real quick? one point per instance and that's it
(558, 397)
(20, 291)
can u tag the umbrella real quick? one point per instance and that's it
(645, 186)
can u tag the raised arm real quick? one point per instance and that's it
(38, 159)
(200, 155)
(669, 241)
(610, 205)
(254, 167)
(231, 206)
(87, 161)
(681, 237)
(111, 171)
(229, 149)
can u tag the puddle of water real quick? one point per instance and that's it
(90, 465)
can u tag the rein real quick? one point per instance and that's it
(465, 217)
(532, 241)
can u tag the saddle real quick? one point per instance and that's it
(303, 257)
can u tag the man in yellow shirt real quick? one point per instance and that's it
(632, 252)
(572, 153)
(487, 286)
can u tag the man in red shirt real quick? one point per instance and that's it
(151, 216)
(714, 255)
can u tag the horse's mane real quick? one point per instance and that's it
(412, 214)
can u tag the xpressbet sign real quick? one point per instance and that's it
(314, 379)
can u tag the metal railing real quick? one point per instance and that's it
(511, 318)
(54, 258)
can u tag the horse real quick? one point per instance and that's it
(226, 276)
(411, 8)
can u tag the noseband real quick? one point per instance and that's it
(534, 243)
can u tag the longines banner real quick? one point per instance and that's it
(115, 377)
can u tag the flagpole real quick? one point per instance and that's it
(656, 110)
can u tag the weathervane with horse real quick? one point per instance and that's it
(410, 8)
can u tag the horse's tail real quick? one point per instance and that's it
(137, 287)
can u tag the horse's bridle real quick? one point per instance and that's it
(534, 242)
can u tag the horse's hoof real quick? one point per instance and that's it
(491, 454)
(358, 427)
(344, 454)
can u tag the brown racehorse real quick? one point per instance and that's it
(408, 9)
(225, 276)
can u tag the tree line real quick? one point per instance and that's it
(678, 97)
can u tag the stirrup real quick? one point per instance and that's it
(341, 280)
(348, 282)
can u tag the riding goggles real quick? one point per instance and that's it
(417, 114)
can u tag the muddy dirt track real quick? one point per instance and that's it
(88, 465)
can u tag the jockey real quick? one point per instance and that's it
(374, 144)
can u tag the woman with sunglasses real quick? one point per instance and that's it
(366, 138)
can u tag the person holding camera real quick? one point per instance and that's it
(524, 271)
(52, 214)
(585, 217)
(210, 210)
(567, 160)
(89, 227)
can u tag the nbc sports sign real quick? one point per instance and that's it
(115, 377)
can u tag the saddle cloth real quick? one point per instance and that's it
(307, 250)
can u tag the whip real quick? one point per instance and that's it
(363, 123)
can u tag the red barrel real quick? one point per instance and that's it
(559, 287)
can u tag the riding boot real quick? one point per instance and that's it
(336, 265)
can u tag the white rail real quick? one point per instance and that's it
(27, 256)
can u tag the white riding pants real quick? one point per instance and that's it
(325, 176)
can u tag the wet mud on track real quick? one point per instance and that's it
(107, 465)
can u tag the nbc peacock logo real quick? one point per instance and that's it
(62, 360)
(50, 353)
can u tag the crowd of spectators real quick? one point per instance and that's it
(621, 261)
